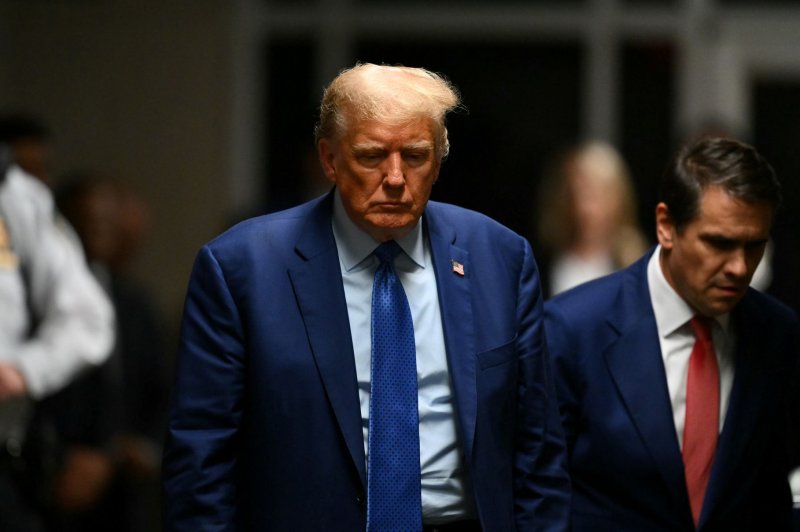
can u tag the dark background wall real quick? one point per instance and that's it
(206, 108)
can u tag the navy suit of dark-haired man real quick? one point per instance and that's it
(673, 375)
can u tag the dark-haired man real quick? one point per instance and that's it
(673, 374)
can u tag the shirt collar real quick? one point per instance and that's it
(670, 310)
(355, 245)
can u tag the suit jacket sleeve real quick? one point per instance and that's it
(542, 487)
(200, 454)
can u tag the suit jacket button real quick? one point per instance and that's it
(360, 497)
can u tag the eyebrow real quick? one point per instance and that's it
(377, 146)
(720, 238)
(421, 145)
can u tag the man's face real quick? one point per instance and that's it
(384, 174)
(710, 263)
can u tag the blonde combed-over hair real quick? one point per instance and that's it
(389, 95)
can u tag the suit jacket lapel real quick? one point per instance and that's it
(746, 401)
(635, 363)
(317, 283)
(455, 302)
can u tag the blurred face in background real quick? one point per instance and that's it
(95, 217)
(111, 222)
(594, 198)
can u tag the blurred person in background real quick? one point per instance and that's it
(110, 421)
(55, 320)
(29, 139)
(587, 222)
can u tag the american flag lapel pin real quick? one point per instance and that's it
(458, 268)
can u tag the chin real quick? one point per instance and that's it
(392, 223)
(722, 307)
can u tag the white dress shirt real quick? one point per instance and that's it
(44, 280)
(444, 490)
(677, 339)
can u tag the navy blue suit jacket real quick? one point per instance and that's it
(624, 457)
(265, 428)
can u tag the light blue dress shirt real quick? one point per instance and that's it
(444, 489)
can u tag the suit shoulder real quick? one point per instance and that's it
(266, 229)
(770, 308)
(471, 224)
(623, 291)
(454, 213)
(491, 244)
(589, 297)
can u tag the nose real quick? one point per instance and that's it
(393, 172)
(736, 266)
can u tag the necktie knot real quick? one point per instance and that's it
(387, 251)
(701, 326)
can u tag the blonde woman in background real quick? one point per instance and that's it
(587, 216)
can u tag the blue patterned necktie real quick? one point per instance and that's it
(394, 501)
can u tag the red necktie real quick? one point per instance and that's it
(701, 426)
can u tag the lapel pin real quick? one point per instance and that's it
(458, 268)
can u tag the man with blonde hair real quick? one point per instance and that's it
(370, 359)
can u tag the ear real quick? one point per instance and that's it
(665, 228)
(327, 159)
